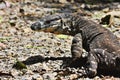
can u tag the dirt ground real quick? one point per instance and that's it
(18, 41)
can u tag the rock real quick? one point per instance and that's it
(2, 46)
(4, 5)
(108, 20)
(73, 76)
(63, 1)
(49, 76)
(39, 78)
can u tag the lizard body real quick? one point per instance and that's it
(102, 45)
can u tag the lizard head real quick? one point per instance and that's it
(56, 23)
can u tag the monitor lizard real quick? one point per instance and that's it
(101, 44)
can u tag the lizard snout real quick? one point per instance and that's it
(36, 26)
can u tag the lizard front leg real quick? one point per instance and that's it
(76, 47)
(76, 51)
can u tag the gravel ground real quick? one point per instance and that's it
(18, 41)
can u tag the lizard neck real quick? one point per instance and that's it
(72, 24)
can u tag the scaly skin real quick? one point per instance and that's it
(102, 45)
